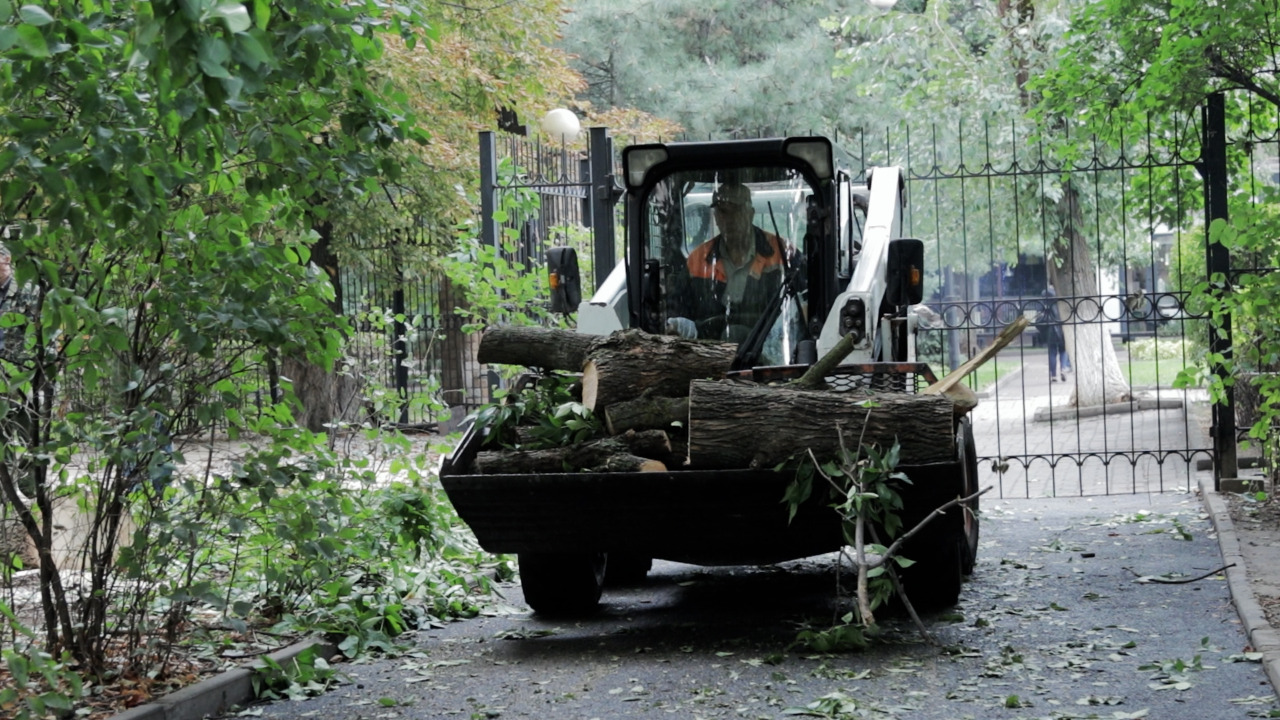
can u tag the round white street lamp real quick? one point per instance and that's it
(561, 125)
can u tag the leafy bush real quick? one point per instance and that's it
(42, 686)
(1174, 348)
(546, 412)
(1248, 303)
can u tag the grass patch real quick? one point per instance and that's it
(991, 372)
(1156, 362)
(1151, 373)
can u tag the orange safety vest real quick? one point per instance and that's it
(703, 260)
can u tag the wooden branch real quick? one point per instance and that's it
(1006, 336)
(1179, 581)
(629, 463)
(901, 591)
(596, 454)
(815, 377)
(940, 510)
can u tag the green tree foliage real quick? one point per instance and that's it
(161, 165)
(719, 68)
(1124, 58)
(958, 77)
(480, 60)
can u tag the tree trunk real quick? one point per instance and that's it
(630, 363)
(1098, 378)
(630, 452)
(457, 351)
(547, 348)
(14, 541)
(734, 425)
(325, 397)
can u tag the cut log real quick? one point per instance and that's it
(597, 455)
(648, 411)
(630, 363)
(536, 347)
(559, 460)
(630, 463)
(735, 425)
(1006, 336)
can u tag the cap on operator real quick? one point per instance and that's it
(731, 195)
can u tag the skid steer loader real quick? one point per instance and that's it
(845, 271)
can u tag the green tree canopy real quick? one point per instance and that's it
(719, 68)
(1124, 58)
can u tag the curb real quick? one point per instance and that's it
(1050, 414)
(219, 693)
(1261, 635)
(1009, 378)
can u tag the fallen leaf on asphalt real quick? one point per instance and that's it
(1177, 685)
(1100, 700)
(1253, 700)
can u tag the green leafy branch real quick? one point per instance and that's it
(41, 685)
(539, 412)
(864, 483)
(306, 675)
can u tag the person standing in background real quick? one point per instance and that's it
(1049, 325)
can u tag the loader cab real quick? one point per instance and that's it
(741, 241)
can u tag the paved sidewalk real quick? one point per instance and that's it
(1052, 449)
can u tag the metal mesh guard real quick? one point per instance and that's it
(908, 377)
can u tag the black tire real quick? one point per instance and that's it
(967, 455)
(933, 581)
(624, 569)
(562, 584)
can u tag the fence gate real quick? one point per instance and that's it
(1120, 237)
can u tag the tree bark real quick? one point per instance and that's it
(14, 541)
(324, 397)
(647, 411)
(733, 425)
(456, 348)
(630, 452)
(547, 348)
(631, 362)
(1098, 378)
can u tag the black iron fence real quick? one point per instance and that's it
(1007, 227)
(409, 337)
(413, 331)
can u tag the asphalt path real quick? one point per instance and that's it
(1065, 617)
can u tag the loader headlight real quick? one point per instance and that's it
(853, 319)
